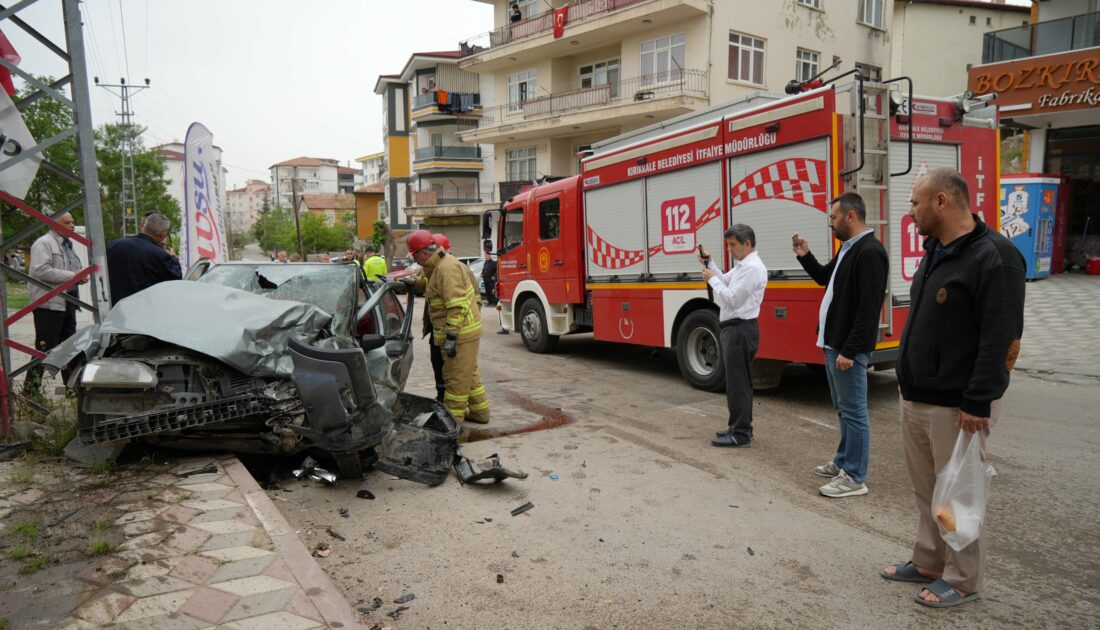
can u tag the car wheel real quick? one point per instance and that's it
(532, 327)
(349, 465)
(699, 352)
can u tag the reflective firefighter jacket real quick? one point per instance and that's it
(452, 300)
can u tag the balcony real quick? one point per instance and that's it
(591, 24)
(425, 108)
(628, 103)
(1044, 38)
(447, 158)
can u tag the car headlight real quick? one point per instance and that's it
(117, 373)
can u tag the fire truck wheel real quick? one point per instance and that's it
(532, 327)
(699, 353)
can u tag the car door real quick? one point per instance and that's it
(385, 314)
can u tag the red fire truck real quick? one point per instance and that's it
(612, 250)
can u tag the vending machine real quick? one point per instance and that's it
(1028, 208)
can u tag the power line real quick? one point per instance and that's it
(125, 50)
(114, 36)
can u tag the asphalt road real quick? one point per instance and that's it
(647, 526)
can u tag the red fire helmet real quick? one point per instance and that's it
(418, 240)
(442, 241)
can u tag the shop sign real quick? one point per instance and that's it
(1048, 83)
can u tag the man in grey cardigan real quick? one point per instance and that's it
(53, 261)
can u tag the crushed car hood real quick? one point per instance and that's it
(249, 332)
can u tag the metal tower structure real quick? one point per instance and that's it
(128, 186)
(77, 99)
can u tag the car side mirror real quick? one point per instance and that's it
(370, 342)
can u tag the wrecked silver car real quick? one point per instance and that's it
(262, 358)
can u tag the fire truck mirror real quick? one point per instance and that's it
(781, 312)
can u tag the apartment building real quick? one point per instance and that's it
(950, 32)
(334, 209)
(347, 178)
(618, 65)
(372, 167)
(244, 204)
(1045, 77)
(315, 176)
(433, 177)
(174, 169)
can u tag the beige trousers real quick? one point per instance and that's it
(464, 394)
(928, 435)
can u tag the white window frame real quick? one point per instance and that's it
(872, 13)
(529, 8)
(813, 4)
(521, 164)
(872, 73)
(663, 50)
(522, 87)
(600, 73)
(745, 42)
(807, 64)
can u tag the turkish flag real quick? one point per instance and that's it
(560, 16)
(7, 51)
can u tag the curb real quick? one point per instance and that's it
(334, 608)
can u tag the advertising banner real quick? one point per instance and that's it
(204, 233)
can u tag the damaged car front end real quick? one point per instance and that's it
(251, 358)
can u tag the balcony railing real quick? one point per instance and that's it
(457, 192)
(423, 100)
(541, 24)
(1072, 33)
(642, 88)
(448, 152)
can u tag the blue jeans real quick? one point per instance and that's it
(849, 393)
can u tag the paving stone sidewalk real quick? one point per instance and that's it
(201, 551)
(1062, 326)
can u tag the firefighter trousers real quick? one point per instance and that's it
(464, 395)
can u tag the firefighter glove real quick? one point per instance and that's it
(450, 346)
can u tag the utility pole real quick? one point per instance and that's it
(294, 199)
(128, 185)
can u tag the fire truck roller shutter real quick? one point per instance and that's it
(906, 245)
(780, 192)
(616, 231)
(677, 204)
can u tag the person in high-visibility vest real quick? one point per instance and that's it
(455, 316)
(373, 264)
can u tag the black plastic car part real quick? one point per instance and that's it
(422, 445)
(175, 419)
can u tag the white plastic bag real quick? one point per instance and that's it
(962, 489)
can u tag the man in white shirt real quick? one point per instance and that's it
(738, 293)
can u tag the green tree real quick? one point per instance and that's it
(45, 118)
(274, 230)
(149, 169)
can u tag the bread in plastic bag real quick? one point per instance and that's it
(961, 493)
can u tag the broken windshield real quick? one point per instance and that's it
(330, 287)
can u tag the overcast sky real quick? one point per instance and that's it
(272, 79)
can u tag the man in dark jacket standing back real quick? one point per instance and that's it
(138, 262)
(961, 340)
(847, 330)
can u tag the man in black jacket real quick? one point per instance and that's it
(847, 330)
(961, 340)
(138, 262)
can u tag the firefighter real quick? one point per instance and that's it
(373, 265)
(452, 307)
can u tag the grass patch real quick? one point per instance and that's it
(21, 552)
(28, 529)
(17, 296)
(103, 467)
(101, 524)
(23, 477)
(3, 624)
(58, 425)
(39, 562)
(99, 547)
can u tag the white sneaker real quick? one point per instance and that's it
(843, 486)
(829, 470)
